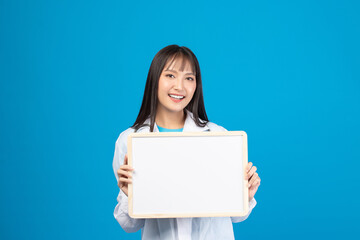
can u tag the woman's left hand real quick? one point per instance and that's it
(253, 179)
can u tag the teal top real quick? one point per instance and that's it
(161, 129)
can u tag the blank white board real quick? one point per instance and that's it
(188, 174)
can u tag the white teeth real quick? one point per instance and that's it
(177, 97)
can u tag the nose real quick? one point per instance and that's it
(179, 84)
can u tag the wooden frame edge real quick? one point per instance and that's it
(130, 186)
(224, 133)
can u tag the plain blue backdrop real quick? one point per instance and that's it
(72, 78)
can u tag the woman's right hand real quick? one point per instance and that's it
(124, 174)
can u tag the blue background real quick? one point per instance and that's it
(72, 78)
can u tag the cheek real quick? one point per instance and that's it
(163, 87)
(192, 88)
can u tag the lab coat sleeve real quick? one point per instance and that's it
(121, 213)
(252, 204)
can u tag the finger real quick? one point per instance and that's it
(253, 179)
(125, 180)
(249, 166)
(126, 168)
(126, 159)
(123, 173)
(252, 171)
(254, 183)
(251, 182)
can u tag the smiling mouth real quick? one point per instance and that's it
(176, 96)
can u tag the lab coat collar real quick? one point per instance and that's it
(189, 125)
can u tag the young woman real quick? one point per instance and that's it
(173, 101)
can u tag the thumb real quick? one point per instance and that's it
(126, 160)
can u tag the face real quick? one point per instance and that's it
(176, 86)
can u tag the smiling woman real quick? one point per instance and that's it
(174, 70)
(179, 85)
(173, 101)
(175, 91)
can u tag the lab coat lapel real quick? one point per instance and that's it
(189, 125)
(146, 129)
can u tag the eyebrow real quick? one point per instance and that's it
(189, 73)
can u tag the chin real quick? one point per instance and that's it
(177, 109)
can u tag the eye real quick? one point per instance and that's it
(190, 78)
(169, 75)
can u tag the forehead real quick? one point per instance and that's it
(179, 63)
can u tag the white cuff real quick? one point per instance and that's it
(123, 202)
(252, 204)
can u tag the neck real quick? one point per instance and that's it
(170, 120)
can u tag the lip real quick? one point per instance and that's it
(176, 100)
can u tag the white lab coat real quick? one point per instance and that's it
(172, 228)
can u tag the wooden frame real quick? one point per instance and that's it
(194, 187)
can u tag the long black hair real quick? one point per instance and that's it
(150, 99)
